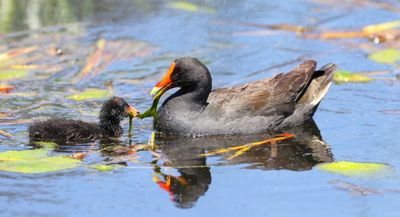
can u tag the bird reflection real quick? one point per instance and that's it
(186, 158)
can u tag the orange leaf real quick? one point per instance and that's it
(16, 52)
(94, 58)
(5, 88)
(334, 35)
(78, 156)
(4, 133)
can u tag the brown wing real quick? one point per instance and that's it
(271, 96)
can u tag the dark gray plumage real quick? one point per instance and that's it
(113, 111)
(284, 100)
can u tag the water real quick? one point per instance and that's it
(355, 122)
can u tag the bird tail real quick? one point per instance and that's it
(319, 86)
(308, 102)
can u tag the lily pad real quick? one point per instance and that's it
(22, 155)
(342, 76)
(12, 74)
(386, 56)
(90, 93)
(34, 161)
(187, 6)
(40, 165)
(103, 167)
(354, 169)
(46, 145)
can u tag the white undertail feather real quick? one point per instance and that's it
(321, 95)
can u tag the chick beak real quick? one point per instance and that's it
(132, 112)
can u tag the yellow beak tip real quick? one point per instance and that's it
(154, 91)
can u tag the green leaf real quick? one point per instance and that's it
(103, 167)
(386, 56)
(354, 169)
(187, 6)
(89, 93)
(35, 161)
(22, 155)
(40, 165)
(12, 74)
(46, 145)
(342, 76)
(152, 111)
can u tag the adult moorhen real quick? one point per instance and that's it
(270, 104)
(61, 130)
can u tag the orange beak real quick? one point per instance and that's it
(132, 111)
(164, 84)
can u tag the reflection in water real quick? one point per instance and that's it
(185, 188)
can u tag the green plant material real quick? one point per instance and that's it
(130, 125)
(22, 155)
(41, 165)
(12, 74)
(187, 6)
(103, 167)
(386, 56)
(342, 76)
(34, 161)
(152, 111)
(45, 145)
(354, 169)
(89, 93)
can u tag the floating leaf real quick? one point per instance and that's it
(381, 27)
(5, 88)
(25, 67)
(12, 74)
(103, 167)
(386, 56)
(356, 169)
(79, 156)
(342, 76)
(46, 145)
(16, 52)
(22, 155)
(90, 93)
(34, 161)
(94, 58)
(40, 165)
(187, 6)
(335, 35)
(4, 133)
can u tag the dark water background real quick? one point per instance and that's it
(355, 122)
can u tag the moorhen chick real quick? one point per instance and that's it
(270, 104)
(113, 111)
